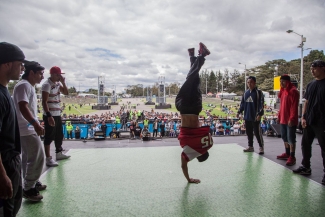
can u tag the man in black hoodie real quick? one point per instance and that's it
(252, 104)
(11, 66)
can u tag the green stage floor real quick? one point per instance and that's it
(149, 182)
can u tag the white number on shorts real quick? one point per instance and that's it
(206, 141)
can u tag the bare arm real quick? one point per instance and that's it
(6, 185)
(303, 120)
(45, 97)
(185, 172)
(23, 107)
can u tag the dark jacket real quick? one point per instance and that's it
(252, 104)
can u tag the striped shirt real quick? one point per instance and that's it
(53, 102)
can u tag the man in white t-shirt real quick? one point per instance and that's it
(30, 129)
(51, 89)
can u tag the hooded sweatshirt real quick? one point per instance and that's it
(289, 98)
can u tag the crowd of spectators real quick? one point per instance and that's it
(164, 124)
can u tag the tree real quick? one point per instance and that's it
(72, 90)
(226, 79)
(203, 79)
(93, 91)
(234, 85)
(212, 85)
(135, 90)
(219, 81)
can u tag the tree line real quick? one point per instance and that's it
(234, 81)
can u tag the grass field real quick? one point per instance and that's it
(87, 104)
(215, 110)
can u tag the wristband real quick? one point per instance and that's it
(48, 114)
(304, 116)
(32, 121)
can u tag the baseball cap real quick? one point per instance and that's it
(32, 65)
(318, 63)
(55, 70)
(10, 52)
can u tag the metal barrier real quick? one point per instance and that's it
(85, 127)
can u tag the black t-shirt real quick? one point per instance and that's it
(137, 131)
(315, 94)
(162, 127)
(132, 127)
(9, 131)
(103, 127)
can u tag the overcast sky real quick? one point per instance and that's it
(136, 42)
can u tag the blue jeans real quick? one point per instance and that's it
(288, 134)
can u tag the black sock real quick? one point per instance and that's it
(292, 154)
(288, 151)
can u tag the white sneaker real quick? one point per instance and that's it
(61, 156)
(50, 162)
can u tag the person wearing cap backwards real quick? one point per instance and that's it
(11, 66)
(313, 118)
(253, 104)
(30, 129)
(288, 118)
(194, 139)
(51, 89)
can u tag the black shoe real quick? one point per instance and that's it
(323, 181)
(39, 186)
(191, 52)
(302, 171)
(203, 50)
(32, 195)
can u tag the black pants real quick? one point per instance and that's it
(13, 170)
(189, 98)
(155, 131)
(309, 133)
(54, 133)
(253, 127)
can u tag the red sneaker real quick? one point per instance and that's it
(203, 50)
(283, 156)
(291, 161)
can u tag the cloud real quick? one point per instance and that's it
(135, 42)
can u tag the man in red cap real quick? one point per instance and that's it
(288, 118)
(194, 139)
(51, 90)
(11, 66)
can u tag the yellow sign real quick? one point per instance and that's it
(276, 83)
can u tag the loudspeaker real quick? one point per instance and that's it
(276, 128)
(99, 135)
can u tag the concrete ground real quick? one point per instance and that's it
(273, 147)
(135, 178)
